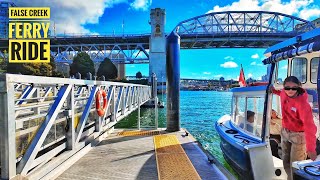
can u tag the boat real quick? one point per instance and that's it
(247, 147)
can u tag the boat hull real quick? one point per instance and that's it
(232, 144)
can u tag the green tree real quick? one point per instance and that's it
(36, 69)
(2, 65)
(139, 75)
(107, 69)
(83, 64)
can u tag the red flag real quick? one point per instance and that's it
(242, 80)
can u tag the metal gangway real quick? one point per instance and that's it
(45, 121)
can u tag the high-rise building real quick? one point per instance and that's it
(4, 18)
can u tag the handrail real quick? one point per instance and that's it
(49, 109)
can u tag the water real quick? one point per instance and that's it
(199, 110)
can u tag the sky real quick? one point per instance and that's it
(132, 17)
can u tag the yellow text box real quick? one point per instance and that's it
(29, 51)
(29, 30)
(29, 12)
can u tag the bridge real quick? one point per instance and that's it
(46, 122)
(231, 29)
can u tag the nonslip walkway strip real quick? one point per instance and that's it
(138, 133)
(172, 161)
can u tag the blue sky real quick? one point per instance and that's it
(107, 16)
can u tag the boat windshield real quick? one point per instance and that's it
(248, 113)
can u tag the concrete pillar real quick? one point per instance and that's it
(121, 70)
(173, 82)
(157, 52)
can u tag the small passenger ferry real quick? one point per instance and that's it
(245, 133)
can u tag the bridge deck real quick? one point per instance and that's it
(133, 157)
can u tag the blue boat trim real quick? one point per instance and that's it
(249, 88)
(293, 52)
(294, 40)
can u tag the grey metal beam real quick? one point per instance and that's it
(33, 148)
(7, 129)
(85, 114)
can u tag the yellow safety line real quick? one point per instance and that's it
(172, 161)
(138, 133)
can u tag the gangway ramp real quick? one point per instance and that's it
(134, 157)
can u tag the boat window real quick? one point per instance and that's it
(239, 109)
(276, 105)
(282, 67)
(299, 68)
(249, 114)
(314, 69)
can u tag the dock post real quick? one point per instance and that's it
(138, 113)
(173, 82)
(156, 112)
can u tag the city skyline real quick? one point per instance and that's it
(132, 17)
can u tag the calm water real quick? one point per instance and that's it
(199, 110)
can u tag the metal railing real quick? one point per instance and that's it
(44, 120)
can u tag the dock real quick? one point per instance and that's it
(132, 155)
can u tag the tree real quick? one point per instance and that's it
(83, 64)
(2, 65)
(107, 69)
(139, 75)
(36, 69)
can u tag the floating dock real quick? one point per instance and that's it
(146, 155)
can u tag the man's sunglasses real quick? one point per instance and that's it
(292, 88)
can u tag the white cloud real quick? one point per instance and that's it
(194, 73)
(141, 4)
(308, 13)
(284, 67)
(218, 75)
(250, 75)
(229, 64)
(253, 63)
(131, 66)
(229, 58)
(302, 8)
(255, 56)
(70, 16)
(207, 73)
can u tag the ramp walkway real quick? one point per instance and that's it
(132, 155)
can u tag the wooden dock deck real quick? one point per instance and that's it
(133, 157)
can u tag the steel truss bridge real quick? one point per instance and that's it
(232, 29)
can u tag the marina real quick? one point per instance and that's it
(78, 117)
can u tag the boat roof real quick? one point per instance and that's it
(304, 43)
(299, 40)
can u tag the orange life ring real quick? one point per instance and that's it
(101, 110)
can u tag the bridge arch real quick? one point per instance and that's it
(239, 29)
(223, 29)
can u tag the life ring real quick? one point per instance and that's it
(101, 110)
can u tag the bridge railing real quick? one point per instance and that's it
(44, 121)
